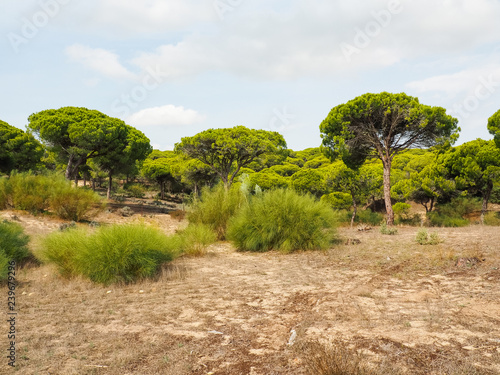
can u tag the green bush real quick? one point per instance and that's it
(4, 266)
(492, 218)
(283, 220)
(215, 207)
(453, 214)
(423, 238)
(437, 219)
(136, 191)
(13, 246)
(5, 192)
(13, 241)
(367, 217)
(196, 238)
(114, 254)
(384, 229)
(76, 203)
(401, 208)
(62, 249)
(403, 216)
(338, 200)
(32, 192)
(39, 193)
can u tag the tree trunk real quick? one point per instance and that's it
(69, 167)
(387, 162)
(84, 180)
(108, 194)
(162, 190)
(486, 198)
(76, 179)
(93, 184)
(355, 210)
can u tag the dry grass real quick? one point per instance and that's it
(385, 305)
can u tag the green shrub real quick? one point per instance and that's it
(435, 239)
(437, 219)
(5, 192)
(114, 254)
(215, 207)
(283, 220)
(403, 216)
(136, 191)
(492, 218)
(39, 193)
(367, 217)
(423, 238)
(13, 241)
(125, 253)
(62, 249)
(32, 192)
(401, 208)
(196, 238)
(338, 200)
(76, 203)
(4, 266)
(13, 246)
(384, 229)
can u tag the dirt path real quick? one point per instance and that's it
(401, 305)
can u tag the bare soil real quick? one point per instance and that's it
(403, 307)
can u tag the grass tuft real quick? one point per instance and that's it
(283, 220)
(114, 254)
(215, 207)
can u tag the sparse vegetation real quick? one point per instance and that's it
(283, 220)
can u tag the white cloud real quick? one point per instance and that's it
(305, 39)
(167, 115)
(130, 18)
(465, 81)
(100, 60)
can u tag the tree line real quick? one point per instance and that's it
(376, 146)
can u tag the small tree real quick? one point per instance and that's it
(227, 150)
(494, 127)
(78, 134)
(359, 183)
(18, 150)
(382, 125)
(123, 161)
(425, 181)
(475, 166)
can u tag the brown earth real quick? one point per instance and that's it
(401, 307)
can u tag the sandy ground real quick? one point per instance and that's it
(416, 309)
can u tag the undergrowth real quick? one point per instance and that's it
(283, 220)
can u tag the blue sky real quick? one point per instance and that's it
(173, 68)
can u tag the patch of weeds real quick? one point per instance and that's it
(423, 238)
(384, 229)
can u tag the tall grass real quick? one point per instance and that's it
(63, 248)
(13, 241)
(13, 246)
(195, 239)
(114, 254)
(215, 207)
(75, 203)
(283, 220)
(39, 193)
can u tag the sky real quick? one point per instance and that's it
(173, 68)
